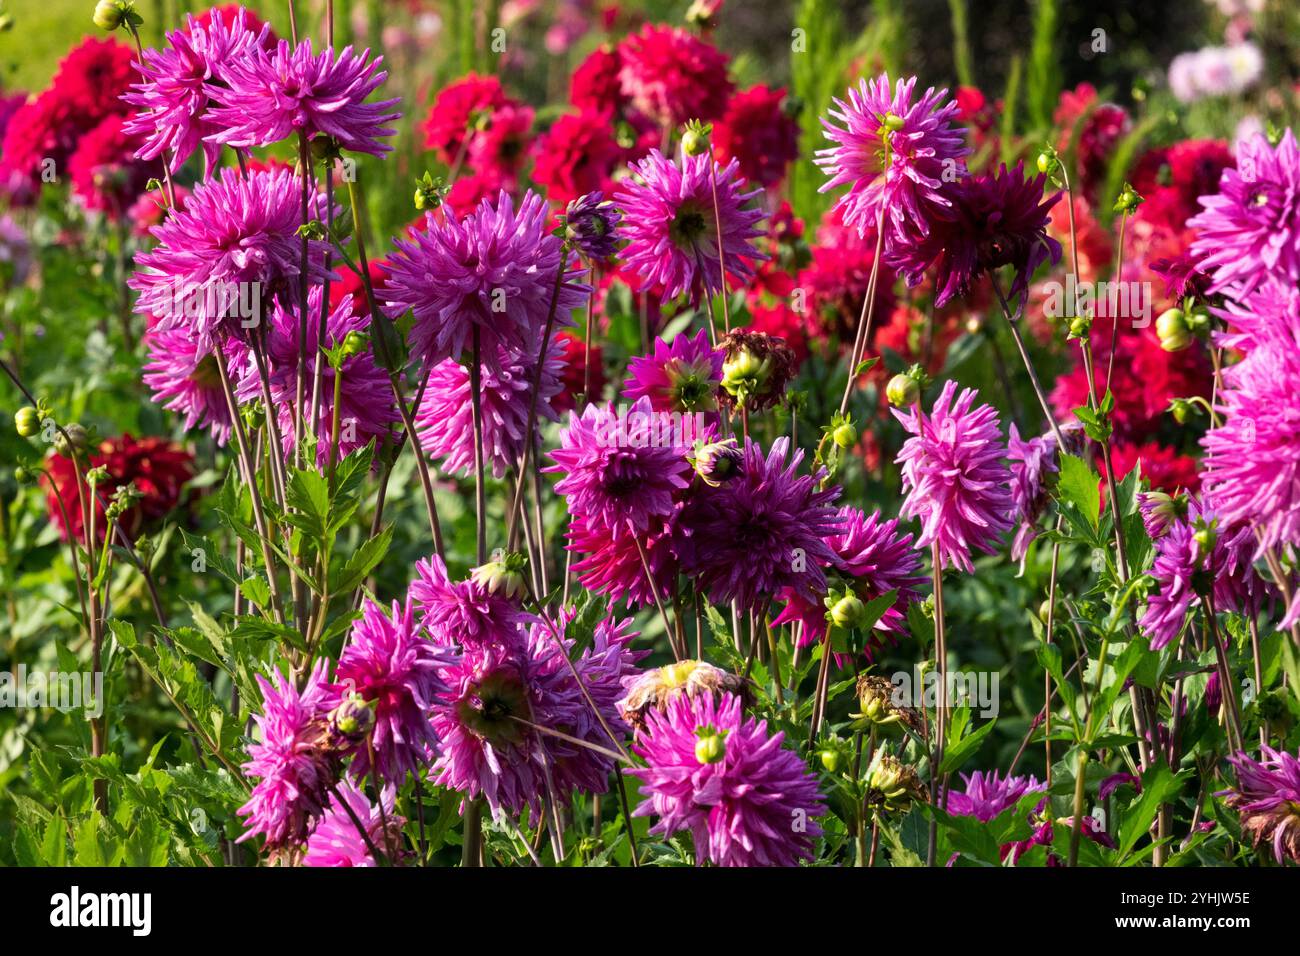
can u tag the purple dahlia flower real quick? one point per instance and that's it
(493, 271)
(989, 794)
(1267, 797)
(671, 225)
(760, 532)
(681, 377)
(464, 612)
(954, 478)
(753, 804)
(336, 841)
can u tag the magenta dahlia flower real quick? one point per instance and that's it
(1187, 570)
(622, 469)
(464, 612)
(292, 762)
(672, 76)
(234, 244)
(874, 558)
(336, 841)
(671, 226)
(265, 97)
(1250, 230)
(444, 420)
(987, 795)
(760, 134)
(1251, 470)
(392, 664)
(172, 96)
(954, 479)
(493, 270)
(681, 377)
(760, 532)
(611, 564)
(895, 154)
(366, 408)
(1267, 797)
(746, 800)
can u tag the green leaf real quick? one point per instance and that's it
(958, 752)
(1159, 785)
(362, 562)
(1078, 486)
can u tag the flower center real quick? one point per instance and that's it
(688, 225)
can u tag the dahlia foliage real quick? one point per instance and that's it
(675, 479)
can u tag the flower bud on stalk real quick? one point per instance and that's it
(27, 420)
(710, 745)
(903, 391)
(503, 576)
(1173, 330)
(72, 438)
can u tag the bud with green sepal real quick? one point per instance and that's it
(695, 138)
(111, 14)
(27, 421)
(429, 192)
(503, 576)
(710, 744)
(1128, 200)
(904, 389)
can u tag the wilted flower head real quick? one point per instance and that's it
(268, 96)
(1267, 797)
(671, 223)
(493, 271)
(893, 786)
(738, 804)
(389, 660)
(655, 689)
(895, 154)
(954, 478)
(878, 708)
(756, 368)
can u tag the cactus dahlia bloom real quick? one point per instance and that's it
(1249, 231)
(464, 612)
(989, 794)
(681, 377)
(760, 532)
(1267, 797)
(172, 96)
(293, 762)
(746, 800)
(893, 151)
(954, 478)
(266, 96)
(336, 840)
(492, 271)
(671, 227)
(392, 665)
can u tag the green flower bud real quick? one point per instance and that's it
(1173, 331)
(72, 438)
(892, 122)
(1046, 162)
(503, 576)
(355, 343)
(1044, 610)
(695, 141)
(903, 391)
(109, 15)
(710, 745)
(1206, 538)
(845, 436)
(847, 612)
(28, 421)
(832, 760)
(1080, 326)
(1182, 410)
(1128, 200)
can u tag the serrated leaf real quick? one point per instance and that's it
(1077, 485)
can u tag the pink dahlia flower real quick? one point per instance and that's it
(1267, 797)
(336, 841)
(672, 76)
(464, 612)
(752, 805)
(681, 377)
(671, 226)
(954, 479)
(989, 794)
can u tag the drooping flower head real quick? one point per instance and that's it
(444, 420)
(493, 270)
(760, 532)
(1267, 797)
(1250, 230)
(954, 478)
(722, 777)
(655, 689)
(392, 664)
(1031, 462)
(997, 219)
(988, 794)
(679, 377)
(671, 224)
(266, 97)
(172, 95)
(366, 409)
(893, 152)
(622, 469)
(672, 76)
(336, 841)
(234, 245)
(292, 761)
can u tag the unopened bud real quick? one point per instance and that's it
(1173, 330)
(109, 15)
(903, 391)
(710, 745)
(848, 611)
(72, 438)
(845, 436)
(28, 421)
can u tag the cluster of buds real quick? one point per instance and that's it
(877, 707)
(756, 370)
(893, 786)
(655, 688)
